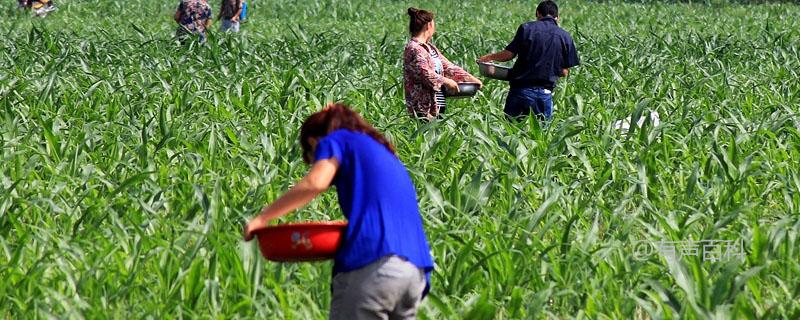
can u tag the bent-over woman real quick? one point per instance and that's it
(382, 269)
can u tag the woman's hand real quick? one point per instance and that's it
(252, 226)
(315, 182)
(475, 80)
(450, 84)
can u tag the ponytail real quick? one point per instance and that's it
(418, 18)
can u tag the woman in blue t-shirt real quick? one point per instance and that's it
(383, 267)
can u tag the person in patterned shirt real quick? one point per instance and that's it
(426, 71)
(194, 17)
(40, 7)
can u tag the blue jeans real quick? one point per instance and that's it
(524, 101)
(229, 25)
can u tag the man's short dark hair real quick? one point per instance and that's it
(547, 8)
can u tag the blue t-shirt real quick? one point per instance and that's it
(379, 200)
(542, 50)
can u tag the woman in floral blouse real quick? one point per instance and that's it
(426, 70)
(194, 17)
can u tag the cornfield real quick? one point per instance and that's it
(130, 163)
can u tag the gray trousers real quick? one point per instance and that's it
(390, 288)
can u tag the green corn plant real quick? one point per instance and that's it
(129, 163)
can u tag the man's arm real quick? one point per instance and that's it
(511, 49)
(570, 56)
(501, 56)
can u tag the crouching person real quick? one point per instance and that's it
(382, 268)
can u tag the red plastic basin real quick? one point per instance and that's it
(309, 241)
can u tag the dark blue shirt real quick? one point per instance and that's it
(379, 200)
(542, 50)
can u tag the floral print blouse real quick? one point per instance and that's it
(194, 14)
(421, 80)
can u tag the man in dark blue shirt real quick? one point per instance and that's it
(544, 53)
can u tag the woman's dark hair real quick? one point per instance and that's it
(418, 18)
(334, 117)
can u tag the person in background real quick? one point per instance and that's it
(426, 70)
(544, 52)
(229, 14)
(193, 17)
(43, 7)
(40, 7)
(243, 15)
(382, 269)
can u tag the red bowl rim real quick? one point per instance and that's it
(295, 225)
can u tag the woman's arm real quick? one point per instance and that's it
(455, 72)
(238, 13)
(317, 180)
(177, 15)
